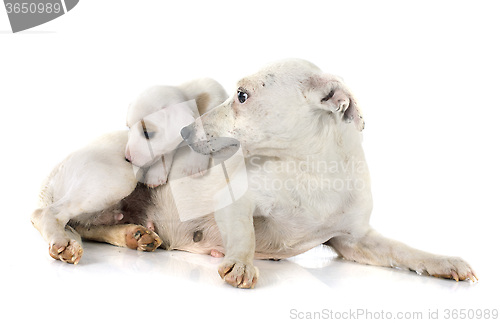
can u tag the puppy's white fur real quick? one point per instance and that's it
(89, 185)
(155, 119)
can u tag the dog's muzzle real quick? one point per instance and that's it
(186, 133)
(217, 147)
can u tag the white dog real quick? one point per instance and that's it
(89, 185)
(299, 131)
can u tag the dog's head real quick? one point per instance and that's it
(279, 109)
(155, 120)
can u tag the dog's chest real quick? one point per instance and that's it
(311, 193)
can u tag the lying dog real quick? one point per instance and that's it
(88, 188)
(299, 130)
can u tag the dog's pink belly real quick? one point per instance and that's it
(263, 250)
(273, 240)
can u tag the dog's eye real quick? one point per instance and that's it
(149, 134)
(242, 96)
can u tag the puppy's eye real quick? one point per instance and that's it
(242, 96)
(149, 134)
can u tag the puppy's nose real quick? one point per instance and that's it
(186, 132)
(128, 158)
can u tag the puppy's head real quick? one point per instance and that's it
(155, 120)
(153, 100)
(284, 107)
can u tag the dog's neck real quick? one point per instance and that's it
(339, 142)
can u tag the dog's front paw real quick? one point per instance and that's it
(448, 267)
(140, 238)
(239, 274)
(68, 251)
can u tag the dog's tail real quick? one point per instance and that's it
(207, 92)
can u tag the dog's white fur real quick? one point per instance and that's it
(295, 119)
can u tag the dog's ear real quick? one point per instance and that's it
(331, 94)
(353, 114)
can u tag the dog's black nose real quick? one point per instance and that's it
(186, 132)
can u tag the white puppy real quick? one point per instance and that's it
(89, 186)
(155, 119)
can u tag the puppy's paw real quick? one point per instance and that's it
(239, 274)
(68, 251)
(448, 267)
(155, 184)
(157, 174)
(140, 238)
(154, 179)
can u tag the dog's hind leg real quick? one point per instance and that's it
(89, 180)
(375, 249)
(64, 243)
(52, 221)
(122, 235)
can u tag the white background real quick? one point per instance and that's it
(425, 73)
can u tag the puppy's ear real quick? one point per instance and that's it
(331, 94)
(202, 101)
